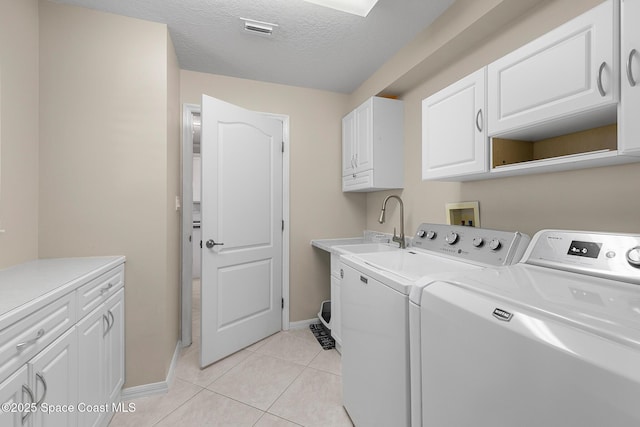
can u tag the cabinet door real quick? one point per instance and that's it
(628, 123)
(454, 140)
(364, 136)
(348, 144)
(54, 379)
(114, 346)
(91, 365)
(15, 390)
(570, 70)
(336, 316)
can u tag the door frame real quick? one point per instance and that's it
(186, 223)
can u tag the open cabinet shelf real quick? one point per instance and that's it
(506, 152)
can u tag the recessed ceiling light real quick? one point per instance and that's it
(355, 7)
(258, 27)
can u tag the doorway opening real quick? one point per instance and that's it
(191, 221)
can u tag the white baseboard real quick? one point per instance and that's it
(174, 363)
(302, 324)
(161, 387)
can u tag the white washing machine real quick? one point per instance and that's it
(375, 291)
(551, 341)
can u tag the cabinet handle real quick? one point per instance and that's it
(479, 120)
(106, 319)
(106, 288)
(599, 81)
(40, 376)
(113, 320)
(632, 81)
(356, 159)
(26, 389)
(22, 345)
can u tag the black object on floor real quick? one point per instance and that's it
(323, 335)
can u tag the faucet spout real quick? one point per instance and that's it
(381, 219)
(399, 239)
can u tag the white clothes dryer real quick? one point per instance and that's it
(551, 341)
(375, 292)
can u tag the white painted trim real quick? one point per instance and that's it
(285, 215)
(187, 190)
(144, 390)
(303, 324)
(152, 389)
(287, 221)
(174, 363)
(186, 220)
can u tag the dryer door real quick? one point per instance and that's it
(486, 362)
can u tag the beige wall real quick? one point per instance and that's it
(109, 161)
(319, 209)
(18, 131)
(589, 199)
(90, 152)
(174, 179)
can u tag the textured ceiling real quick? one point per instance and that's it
(312, 46)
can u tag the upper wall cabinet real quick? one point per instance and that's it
(454, 139)
(372, 146)
(567, 100)
(629, 119)
(568, 71)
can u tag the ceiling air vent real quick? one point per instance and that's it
(258, 27)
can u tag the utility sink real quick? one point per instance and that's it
(353, 245)
(364, 248)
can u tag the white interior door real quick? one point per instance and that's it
(241, 228)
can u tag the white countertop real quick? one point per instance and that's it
(36, 283)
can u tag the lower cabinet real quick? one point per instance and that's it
(114, 347)
(53, 376)
(64, 372)
(101, 359)
(336, 317)
(14, 392)
(44, 392)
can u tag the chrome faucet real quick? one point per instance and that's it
(398, 239)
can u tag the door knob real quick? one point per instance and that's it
(211, 243)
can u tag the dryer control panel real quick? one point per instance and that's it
(480, 245)
(608, 255)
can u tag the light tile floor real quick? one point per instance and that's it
(284, 380)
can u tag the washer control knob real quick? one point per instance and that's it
(431, 235)
(495, 244)
(633, 256)
(478, 242)
(421, 233)
(451, 238)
